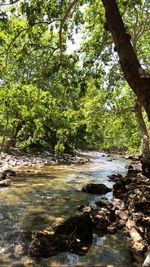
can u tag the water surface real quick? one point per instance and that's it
(51, 194)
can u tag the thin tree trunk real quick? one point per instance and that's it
(5, 132)
(11, 142)
(144, 131)
(137, 78)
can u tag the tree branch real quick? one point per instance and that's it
(10, 3)
(63, 20)
(25, 29)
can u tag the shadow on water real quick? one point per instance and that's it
(35, 201)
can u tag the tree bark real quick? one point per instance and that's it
(11, 142)
(5, 132)
(144, 131)
(135, 75)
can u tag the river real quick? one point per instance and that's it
(50, 194)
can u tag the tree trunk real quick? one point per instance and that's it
(144, 131)
(5, 132)
(137, 78)
(11, 142)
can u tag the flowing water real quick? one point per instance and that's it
(52, 193)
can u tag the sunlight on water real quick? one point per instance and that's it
(37, 200)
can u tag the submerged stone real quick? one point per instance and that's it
(96, 189)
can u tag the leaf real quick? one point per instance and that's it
(142, 2)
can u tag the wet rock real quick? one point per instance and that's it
(96, 189)
(82, 225)
(132, 172)
(115, 177)
(5, 183)
(45, 245)
(133, 196)
(119, 188)
(73, 235)
(134, 218)
(84, 209)
(123, 215)
(103, 218)
(6, 174)
(133, 158)
(104, 203)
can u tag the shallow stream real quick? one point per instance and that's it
(50, 194)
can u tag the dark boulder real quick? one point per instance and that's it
(119, 188)
(96, 189)
(9, 173)
(46, 245)
(80, 225)
(73, 235)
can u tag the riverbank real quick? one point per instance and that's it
(17, 159)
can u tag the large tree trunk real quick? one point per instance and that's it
(134, 74)
(144, 131)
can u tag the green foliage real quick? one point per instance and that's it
(65, 101)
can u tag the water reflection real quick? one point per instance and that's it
(36, 201)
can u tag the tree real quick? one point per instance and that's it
(135, 75)
(144, 130)
(33, 52)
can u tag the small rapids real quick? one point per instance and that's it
(48, 195)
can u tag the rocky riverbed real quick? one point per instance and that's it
(132, 216)
(125, 210)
